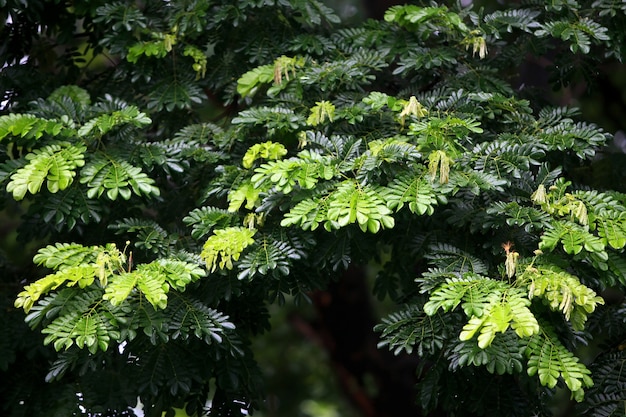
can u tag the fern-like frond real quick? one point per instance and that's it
(523, 19)
(116, 177)
(53, 164)
(472, 289)
(153, 280)
(175, 93)
(29, 127)
(226, 246)
(303, 172)
(266, 150)
(515, 215)
(83, 324)
(81, 275)
(504, 355)
(453, 259)
(353, 72)
(149, 235)
(562, 292)
(268, 255)
(504, 309)
(101, 125)
(505, 158)
(423, 59)
(573, 237)
(550, 360)
(190, 317)
(553, 116)
(75, 264)
(273, 118)
(476, 181)
(411, 329)
(352, 203)
(68, 210)
(414, 190)
(388, 151)
(580, 34)
(608, 395)
(492, 307)
(62, 255)
(204, 219)
(307, 214)
(582, 138)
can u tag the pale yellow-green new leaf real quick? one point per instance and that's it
(226, 246)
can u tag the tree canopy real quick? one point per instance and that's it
(174, 169)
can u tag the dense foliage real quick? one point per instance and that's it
(179, 166)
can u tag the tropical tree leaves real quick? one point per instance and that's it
(53, 164)
(429, 178)
(225, 246)
(349, 204)
(116, 178)
(550, 360)
(85, 303)
(77, 265)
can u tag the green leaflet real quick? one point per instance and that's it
(411, 329)
(580, 33)
(62, 255)
(508, 309)
(246, 193)
(307, 214)
(28, 126)
(415, 16)
(85, 319)
(77, 265)
(153, 280)
(80, 275)
(269, 255)
(284, 67)
(550, 360)
(320, 112)
(612, 231)
(226, 246)
(158, 48)
(286, 174)
(266, 150)
(505, 355)
(81, 324)
(103, 124)
(352, 203)
(574, 239)
(116, 178)
(204, 219)
(389, 152)
(472, 289)
(492, 306)
(53, 164)
(248, 83)
(413, 190)
(149, 235)
(562, 292)
(191, 317)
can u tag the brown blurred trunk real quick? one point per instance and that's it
(378, 383)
